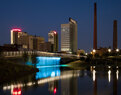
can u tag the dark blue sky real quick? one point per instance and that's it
(40, 16)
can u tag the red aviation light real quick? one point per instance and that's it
(55, 32)
(16, 30)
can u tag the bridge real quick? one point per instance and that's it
(40, 53)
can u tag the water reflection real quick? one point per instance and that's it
(109, 75)
(47, 72)
(94, 74)
(117, 73)
(16, 91)
(53, 80)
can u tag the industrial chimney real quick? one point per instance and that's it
(115, 35)
(95, 27)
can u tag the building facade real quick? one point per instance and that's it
(69, 36)
(53, 39)
(14, 36)
(26, 41)
(46, 46)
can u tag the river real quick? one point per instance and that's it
(56, 79)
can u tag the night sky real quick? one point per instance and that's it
(38, 17)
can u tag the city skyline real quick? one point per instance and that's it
(37, 21)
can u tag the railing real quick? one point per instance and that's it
(40, 53)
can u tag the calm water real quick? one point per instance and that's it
(55, 79)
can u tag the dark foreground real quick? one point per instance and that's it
(12, 71)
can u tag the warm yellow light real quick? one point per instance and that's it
(109, 75)
(94, 50)
(109, 50)
(94, 75)
(117, 50)
(86, 54)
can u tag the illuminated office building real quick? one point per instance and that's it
(25, 40)
(14, 36)
(53, 38)
(69, 36)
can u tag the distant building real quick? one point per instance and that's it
(23, 39)
(47, 47)
(10, 47)
(26, 41)
(53, 38)
(69, 36)
(14, 36)
(36, 42)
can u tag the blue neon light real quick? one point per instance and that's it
(48, 72)
(47, 61)
(48, 67)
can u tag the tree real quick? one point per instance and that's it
(25, 57)
(97, 55)
(34, 61)
(1, 55)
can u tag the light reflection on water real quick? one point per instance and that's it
(53, 80)
(48, 72)
(73, 82)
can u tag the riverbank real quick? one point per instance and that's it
(12, 71)
(98, 62)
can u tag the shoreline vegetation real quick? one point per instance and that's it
(98, 62)
(10, 70)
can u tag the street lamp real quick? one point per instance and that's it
(117, 50)
(109, 50)
(94, 51)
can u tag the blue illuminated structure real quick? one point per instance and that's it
(48, 72)
(48, 61)
(48, 67)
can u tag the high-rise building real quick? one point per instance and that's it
(53, 38)
(37, 41)
(26, 41)
(95, 27)
(69, 36)
(14, 35)
(115, 35)
(23, 39)
(46, 46)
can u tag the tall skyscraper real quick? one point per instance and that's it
(69, 36)
(95, 27)
(14, 35)
(115, 35)
(53, 38)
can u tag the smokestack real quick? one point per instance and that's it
(95, 27)
(115, 35)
